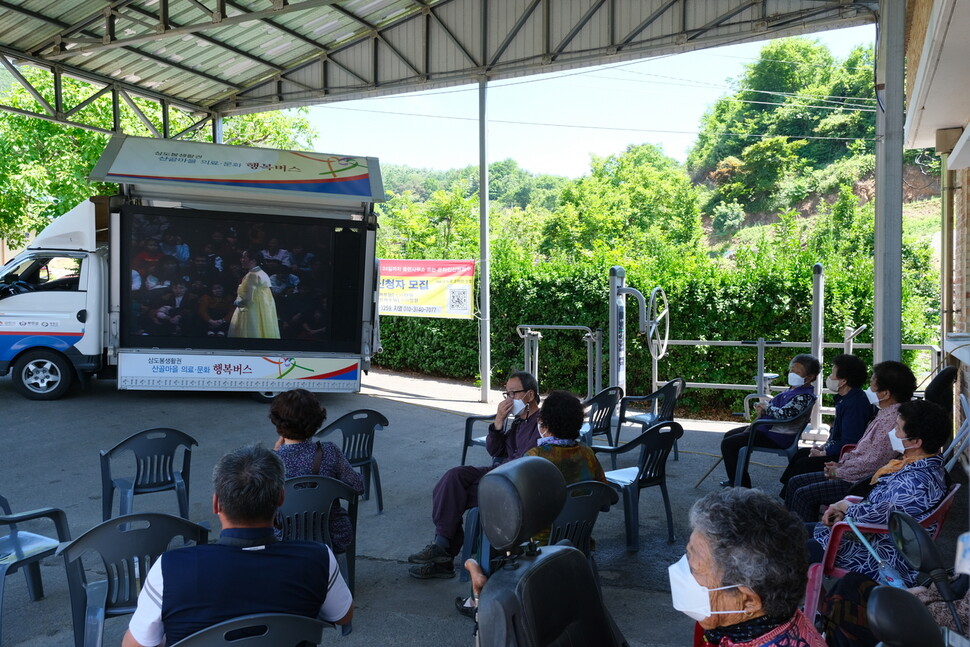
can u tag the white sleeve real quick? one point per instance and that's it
(146, 623)
(338, 600)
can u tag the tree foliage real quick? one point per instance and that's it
(44, 165)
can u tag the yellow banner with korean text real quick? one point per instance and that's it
(441, 289)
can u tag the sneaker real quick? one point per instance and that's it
(464, 607)
(431, 554)
(433, 570)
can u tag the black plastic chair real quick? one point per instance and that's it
(655, 445)
(21, 550)
(357, 429)
(259, 630)
(744, 456)
(599, 420)
(155, 452)
(123, 549)
(663, 402)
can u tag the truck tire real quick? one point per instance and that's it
(42, 375)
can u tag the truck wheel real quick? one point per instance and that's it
(42, 375)
(265, 396)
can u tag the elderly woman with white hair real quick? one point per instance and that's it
(744, 573)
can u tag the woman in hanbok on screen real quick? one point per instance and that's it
(255, 315)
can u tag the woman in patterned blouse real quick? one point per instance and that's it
(297, 415)
(913, 484)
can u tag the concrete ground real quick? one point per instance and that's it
(50, 458)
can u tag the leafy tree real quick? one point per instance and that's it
(44, 166)
(626, 198)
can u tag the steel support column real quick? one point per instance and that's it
(887, 305)
(485, 341)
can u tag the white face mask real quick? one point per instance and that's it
(794, 379)
(832, 385)
(517, 407)
(873, 398)
(688, 596)
(896, 442)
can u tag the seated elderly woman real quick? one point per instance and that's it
(913, 484)
(560, 420)
(297, 415)
(743, 576)
(792, 402)
(892, 384)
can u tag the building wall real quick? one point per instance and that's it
(917, 21)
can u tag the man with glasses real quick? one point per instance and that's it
(457, 490)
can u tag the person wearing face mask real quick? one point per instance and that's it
(457, 490)
(892, 384)
(560, 419)
(744, 573)
(799, 397)
(852, 414)
(914, 484)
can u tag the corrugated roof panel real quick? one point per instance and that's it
(204, 65)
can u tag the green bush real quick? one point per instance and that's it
(727, 218)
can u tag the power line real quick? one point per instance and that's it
(588, 127)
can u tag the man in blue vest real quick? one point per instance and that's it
(246, 571)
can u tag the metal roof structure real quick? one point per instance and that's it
(213, 58)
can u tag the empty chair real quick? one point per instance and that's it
(575, 522)
(602, 409)
(155, 452)
(306, 509)
(655, 445)
(663, 402)
(357, 429)
(21, 550)
(800, 421)
(123, 550)
(259, 630)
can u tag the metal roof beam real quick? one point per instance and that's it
(379, 36)
(519, 24)
(723, 18)
(31, 90)
(99, 79)
(578, 27)
(451, 36)
(217, 43)
(652, 18)
(167, 32)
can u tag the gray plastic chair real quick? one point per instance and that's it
(470, 439)
(123, 549)
(584, 501)
(599, 420)
(155, 451)
(788, 452)
(655, 445)
(21, 550)
(259, 630)
(663, 402)
(357, 429)
(305, 514)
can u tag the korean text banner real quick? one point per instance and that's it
(441, 289)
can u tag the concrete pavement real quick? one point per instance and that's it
(50, 458)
